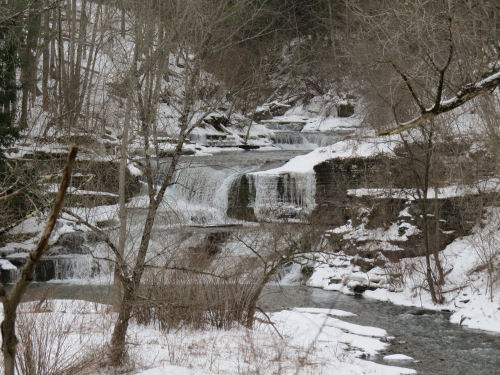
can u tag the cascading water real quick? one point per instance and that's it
(274, 196)
(217, 189)
(205, 193)
(302, 140)
(81, 267)
(199, 195)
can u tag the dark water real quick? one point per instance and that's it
(440, 347)
(428, 337)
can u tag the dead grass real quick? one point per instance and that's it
(56, 342)
(183, 299)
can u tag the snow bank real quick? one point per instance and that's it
(172, 370)
(398, 358)
(471, 293)
(351, 148)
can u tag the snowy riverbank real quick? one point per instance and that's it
(471, 291)
(314, 341)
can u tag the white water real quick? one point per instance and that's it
(200, 194)
(291, 140)
(285, 195)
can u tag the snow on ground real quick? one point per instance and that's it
(310, 340)
(172, 370)
(336, 272)
(351, 148)
(396, 232)
(331, 124)
(398, 358)
(471, 290)
(480, 187)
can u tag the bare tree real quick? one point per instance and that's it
(425, 58)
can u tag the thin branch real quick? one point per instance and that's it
(408, 84)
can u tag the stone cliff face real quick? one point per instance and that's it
(396, 209)
(448, 217)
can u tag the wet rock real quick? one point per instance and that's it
(278, 109)
(365, 265)
(418, 312)
(345, 110)
(218, 121)
(70, 243)
(306, 272)
(171, 153)
(264, 114)
(361, 288)
(269, 110)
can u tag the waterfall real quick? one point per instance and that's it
(302, 140)
(200, 194)
(63, 267)
(82, 267)
(278, 196)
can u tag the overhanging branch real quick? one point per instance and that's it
(466, 93)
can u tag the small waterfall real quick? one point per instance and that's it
(8, 272)
(200, 194)
(267, 196)
(302, 140)
(214, 140)
(63, 267)
(82, 267)
(283, 195)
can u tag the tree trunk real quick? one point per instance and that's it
(9, 339)
(28, 60)
(45, 60)
(437, 237)
(118, 348)
(117, 285)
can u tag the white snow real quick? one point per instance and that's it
(317, 310)
(6, 265)
(480, 187)
(470, 292)
(398, 358)
(331, 124)
(172, 370)
(134, 171)
(343, 149)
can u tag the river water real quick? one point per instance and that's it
(441, 348)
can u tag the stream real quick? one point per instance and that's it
(439, 346)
